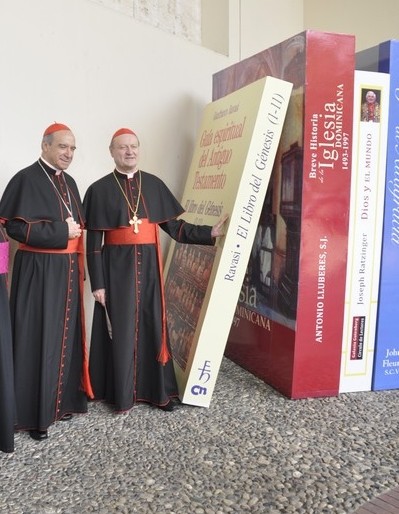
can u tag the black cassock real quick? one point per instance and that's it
(126, 369)
(6, 363)
(47, 315)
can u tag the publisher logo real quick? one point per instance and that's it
(357, 343)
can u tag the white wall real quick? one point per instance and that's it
(94, 69)
(370, 21)
(266, 22)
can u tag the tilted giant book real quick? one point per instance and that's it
(230, 173)
(370, 123)
(385, 58)
(288, 323)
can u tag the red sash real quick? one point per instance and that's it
(147, 234)
(73, 247)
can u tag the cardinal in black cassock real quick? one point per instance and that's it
(124, 211)
(42, 210)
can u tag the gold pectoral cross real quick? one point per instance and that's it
(136, 222)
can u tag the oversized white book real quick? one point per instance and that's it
(370, 128)
(230, 171)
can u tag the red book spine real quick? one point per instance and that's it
(328, 116)
(288, 324)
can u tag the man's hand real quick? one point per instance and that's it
(99, 296)
(217, 230)
(74, 229)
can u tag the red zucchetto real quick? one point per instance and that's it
(55, 127)
(123, 131)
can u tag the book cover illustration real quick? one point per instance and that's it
(385, 58)
(230, 172)
(370, 122)
(288, 323)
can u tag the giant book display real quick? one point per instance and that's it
(370, 124)
(288, 323)
(229, 174)
(385, 58)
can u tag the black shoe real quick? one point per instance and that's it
(66, 417)
(169, 407)
(38, 435)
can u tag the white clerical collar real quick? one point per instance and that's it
(57, 172)
(128, 175)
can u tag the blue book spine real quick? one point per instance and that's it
(385, 58)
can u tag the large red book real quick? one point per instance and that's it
(288, 323)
